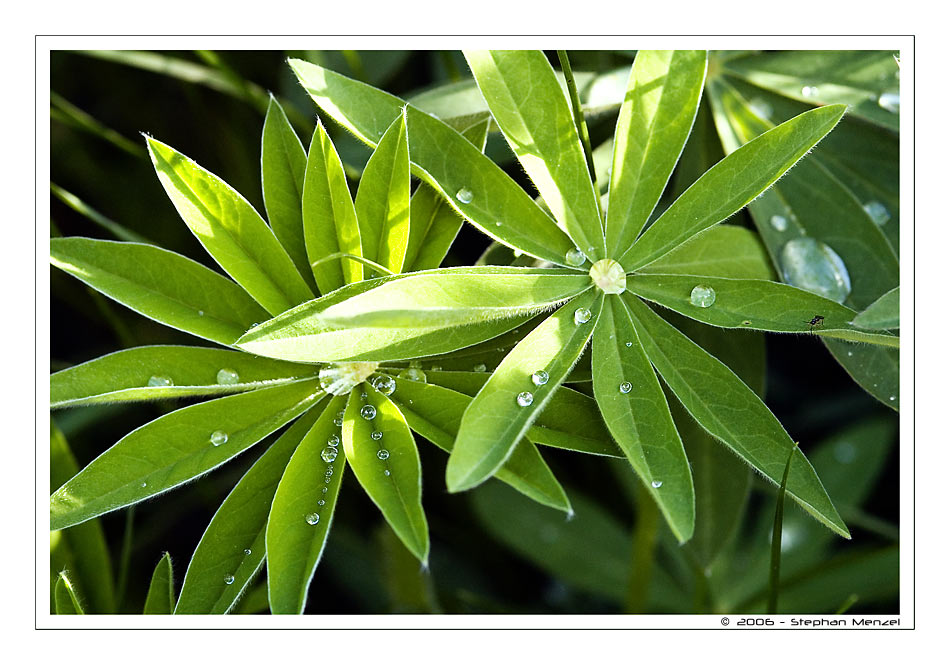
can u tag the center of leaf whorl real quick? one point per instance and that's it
(608, 276)
(341, 378)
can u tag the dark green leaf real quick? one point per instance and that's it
(883, 314)
(161, 591)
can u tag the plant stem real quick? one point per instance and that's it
(776, 562)
(644, 544)
(125, 554)
(579, 121)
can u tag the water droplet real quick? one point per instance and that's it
(323, 490)
(892, 397)
(386, 472)
(321, 502)
(809, 91)
(363, 395)
(385, 384)
(702, 296)
(329, 454)
(144, 484)
(160, 382)
(247, 551)
(229, 579)
(313, 519)
(201, 312)
(376, 435)
(575, 257)
(539, 378)
(779, 223)
(608, 276)
(436, 368)
(480, 368)
(657, 484)
(382, 454)
(814, 266)
(368, 411)
(525, 399)
(464, 195)
(890, 101)
(845, 452)
(626, 387)
(219, 438)
(228, 377)
(747, 322)
(334, 440)
(413, 374)
(850, 354)
(581, 315)
(878, 212)
(338, 421)
(628, 344)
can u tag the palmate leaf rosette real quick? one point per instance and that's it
(606, 271)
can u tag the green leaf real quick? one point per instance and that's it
(231, 230)
(534, 115)
(302, 512)
(435, 412)
(433, 223)
(283, 164)
(82, 550)
(161, 591)
(409, 587)
(388, 468)
(329, 216)
(496, 420)
(382, 201)
(658, 111)
(883, 314)
(176, 448)
(164, 286)
(730, 411)
(732, 183)
(721, 251)
(444, 159)
(95, 216)
(238, 526)
(635, 410)
(65, 599)
(167, 372)
(756, 304)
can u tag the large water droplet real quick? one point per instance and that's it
(368, 411)
(383, 454)
(525, 399)
(581, 315)
(702, 296)
(878, 212)
(464, 195)
(657, 484)
(385, 384)
(890, 101)
(329, 454)
(626, 387)
(814, 266)
(608, 276)
(779, 223)
(413, 374)
(539, 378)
(313, 519)
(229, 579)
(575, 257)
(219, 438)
(160, 382)
(334, 440)
(376, 435)
(809, 91)
(228, 377)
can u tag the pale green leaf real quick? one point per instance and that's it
(883, 314)
(161, 591)
(164, 286)
(231, 230)
(176, 448)
(721, 251)
(658, 111)
(65, 599)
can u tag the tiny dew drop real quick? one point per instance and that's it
(464, 195)
(892, 397)
(219, 438)
(338, 421)
(809, 91)
(247, 551)
(321, 502)
(779, 223)
(626, 387)
(228, 377)
(159, 382)
(575, 257)
(229, 579)
(628, 344)
(334, 440)
(702, 296)
(385, 384)
(581, 316)
(144, 484)
(525, 399)
(657, 484)
(436, 368)
(376, 435)
(386, 472)
(878, 212)
(747, 322)
(479, 367)
(382, 454)
(313, 519)
(329, 454)
(539, 378)
(413, 374)
(368, 411)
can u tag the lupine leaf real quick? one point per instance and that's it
(658, 111)
(161, 591)
(231, 230)
(64, 595)
(129, 375)
(883, 314)
(176, 448)
(164, 286)
(722, 251)
(302, 512)
(496, 420)
(238, 526)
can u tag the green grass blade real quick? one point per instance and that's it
(231, 550)
(658, 111)
(161, 591)
(729, 410)
(167, 372)
(534, 115)
(283, 164)
(302, 512)
(444, 159)
(231, 230)
(497, 419)
(883, 314)
(96, 217)
(161, 285)
(387, 467)
(176, 448)
(722, 251)
(382, 201)
(727, 187)
(329, 216)
(63, 110)
(775, 568)
(64, 594)
(636, 412)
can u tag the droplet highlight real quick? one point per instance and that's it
(809, 91)
(540, 377)
(376, 435)
(329, 454)
(229, 579)
(334, 440)
(385, 384)
(219, 438)
(382, 454)
(247, 551)
(575, 257)
(626, 387)
(814, 266)
(581, 316)
(368, 411)
(525, 399)
(313, 519)
(890, 101)
(464, 195)
(702, 296)
(657, 484)
(228, 377)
